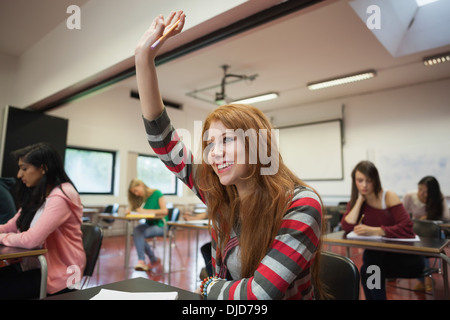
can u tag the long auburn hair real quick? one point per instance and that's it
(259, 212)
(435, 198)
(134, 200)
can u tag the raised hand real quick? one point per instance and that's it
(159, 28)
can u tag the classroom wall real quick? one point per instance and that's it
(110, 30)
(111, 120)
(416, 117)
(386, 123)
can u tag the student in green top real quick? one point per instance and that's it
(143, 199)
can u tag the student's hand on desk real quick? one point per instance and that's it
(187, 216)
(363, 230)
(145, 211)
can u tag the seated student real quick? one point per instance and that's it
(49, 216)
(152, 201)
(427, 202)
(382, 214)
(266, 223)
(7, 205)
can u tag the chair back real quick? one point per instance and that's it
(92, 242)
(333, 222)
(427, 228)
(111, 208)
(339, 275)
(174, 214)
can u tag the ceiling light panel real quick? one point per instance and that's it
(342, 80)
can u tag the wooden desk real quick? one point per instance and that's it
(192, 224)
(130, 285)
(130, 219)
(15, 253)
(426, 246)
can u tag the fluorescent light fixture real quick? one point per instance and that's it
(260, 98)
(422, 3)
(342, 80)
(433, 60)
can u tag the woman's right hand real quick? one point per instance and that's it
(143, 51)
(361, 198)
(147, 80)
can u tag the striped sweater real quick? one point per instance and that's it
(284, 273)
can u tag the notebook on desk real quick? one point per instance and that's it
(106, 294)
(353, 235)
(134, 214)
(202, 222)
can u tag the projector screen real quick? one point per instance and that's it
(313, 151)
(22, 128)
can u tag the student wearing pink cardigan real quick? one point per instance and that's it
(49, 216)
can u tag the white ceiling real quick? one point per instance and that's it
(287, 54)
(24, 22)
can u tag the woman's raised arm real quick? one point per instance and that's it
(147, 80)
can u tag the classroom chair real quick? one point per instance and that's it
(92, 242)
(426, 229)
(340, 276)
(173, 215)
(111, 209)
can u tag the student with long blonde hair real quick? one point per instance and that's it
(265, 222)
(143, 199)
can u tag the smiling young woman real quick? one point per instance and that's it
(266, 223)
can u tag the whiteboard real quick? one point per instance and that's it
(401, 168)
(313, 151)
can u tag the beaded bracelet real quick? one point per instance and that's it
(204, 285)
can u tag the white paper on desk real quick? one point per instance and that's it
(106, 294)
(353, 235)
(416, 238)
(203, 221)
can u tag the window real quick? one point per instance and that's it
(92, 171)
(155, 174)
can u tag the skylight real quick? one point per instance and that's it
(422, 3)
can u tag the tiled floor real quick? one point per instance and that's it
(186, 277)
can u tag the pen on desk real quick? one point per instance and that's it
(165, 34)
(361, 219)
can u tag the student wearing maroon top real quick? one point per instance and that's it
(373, 211)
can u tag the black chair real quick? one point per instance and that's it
(340, 277)
(92, 242)
(111, 209)
(173, 215)
(335, 218)
(426, 229)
